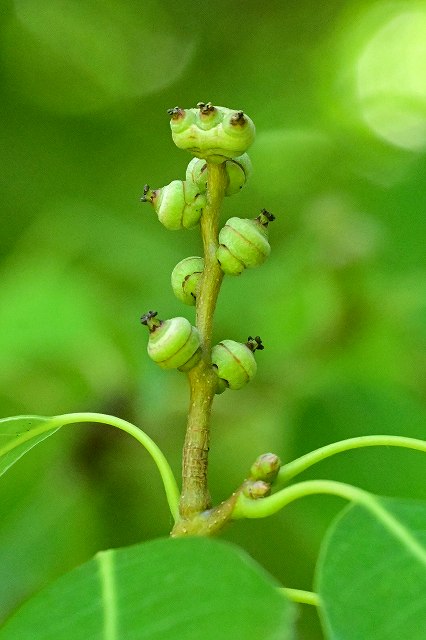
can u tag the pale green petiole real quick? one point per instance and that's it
(170, 486)
(248, 508)
(292, 469)
(300, 596)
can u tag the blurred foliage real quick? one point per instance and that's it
(338, 94)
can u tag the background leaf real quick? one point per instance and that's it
(153, 591)
(372, 584)
(11, 431)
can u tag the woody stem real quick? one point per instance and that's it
(195, 496)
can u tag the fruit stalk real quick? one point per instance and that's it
(195, 495)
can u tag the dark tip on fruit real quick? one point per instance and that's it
(145, 193)
(238, 118)
(145, 319)
(265, 217)
(255, 344)
(176, 113)
(206, 108)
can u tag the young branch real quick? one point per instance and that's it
(246, 508)
(292, 469)
(195, 496)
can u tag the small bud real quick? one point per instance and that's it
(243, 243)
(256, 489)
(172, 344)
(265, 468)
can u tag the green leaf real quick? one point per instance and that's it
(371, 574)
(20, 434)
(169, 588)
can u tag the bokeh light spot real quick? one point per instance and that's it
(391, 79)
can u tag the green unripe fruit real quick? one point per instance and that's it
(185, 279)
(243, 243)
(234, 362)
(196, 172)
(211, 132)
(237, 170)
(172, 344)
(207, 116)
(178, 205)
(181, 119)
(266, 467)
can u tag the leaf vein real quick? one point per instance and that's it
(105, 561)
(396, 527)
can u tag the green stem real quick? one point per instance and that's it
(195, 496)
(170, 486)
(248, 508)
(300, 596)
(292, 469)
(212, 273)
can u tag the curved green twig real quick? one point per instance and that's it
(292, 469)
(170, 486)
(249, 508)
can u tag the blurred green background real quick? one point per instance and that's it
(338, 94)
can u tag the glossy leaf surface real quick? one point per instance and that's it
(372, 573)
(20, 434)
(168, 588)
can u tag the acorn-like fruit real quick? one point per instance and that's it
(211, 132)
(172, 344)
(186, 277)
(234, 362)
(243, 243)
(178, 205)
(237, 170)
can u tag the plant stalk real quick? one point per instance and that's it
(195, 496)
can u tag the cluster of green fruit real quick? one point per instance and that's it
(216, 135)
